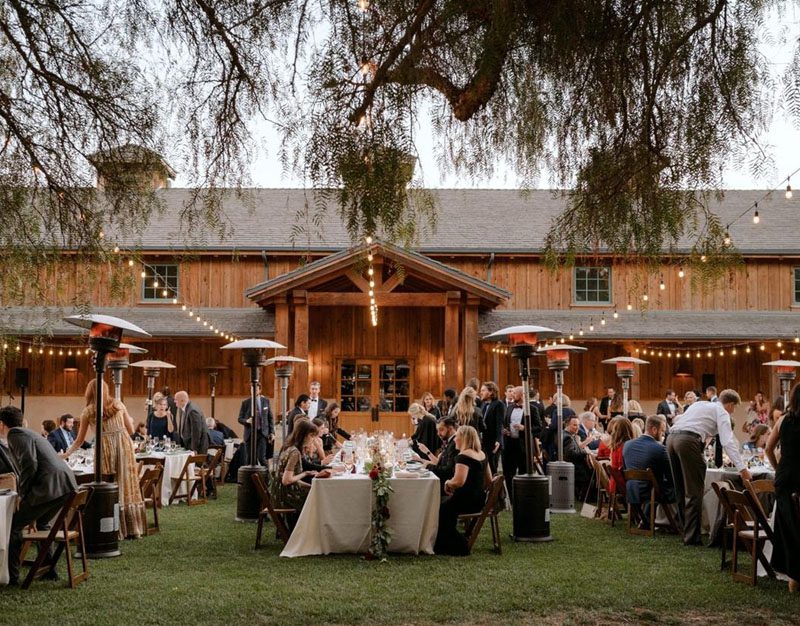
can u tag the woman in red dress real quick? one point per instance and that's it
(621, 431)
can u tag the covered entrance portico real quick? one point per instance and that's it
(426, 338)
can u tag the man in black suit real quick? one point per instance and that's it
(604, 405)
(62, 437)
(316, 405)
(45, 481)
(445, 466)
(647, 452)
(575, 453)
(192, 429)
(300, 411)
(494, 412)
(265, 426)
(513, 438)
(668, 407)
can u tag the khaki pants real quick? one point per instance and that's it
(689, 468)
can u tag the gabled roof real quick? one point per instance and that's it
(437, 275)
(469, 221)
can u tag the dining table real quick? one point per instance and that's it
(336, 517)
(173, 464)
(8, 501)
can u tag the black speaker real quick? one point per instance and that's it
(21, 377)
(709, 380)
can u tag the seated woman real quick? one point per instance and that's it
(759, 436)
(331, 416)
(288, 486)
(328, 440)
(424, 429)
(467, 491)
(621, 432)
(160, 421)
(140, 434)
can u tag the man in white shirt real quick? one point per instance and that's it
(317, 406)
(701, 421)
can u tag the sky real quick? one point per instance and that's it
(782, 141)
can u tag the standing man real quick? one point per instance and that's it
(509, 401)
(605, 404)
(513, 439)
(494, 412)
(668, 407)
(265, 426)
(192, 429)
(317, 405)
(61, 438)
(45, 482)
(700, 422)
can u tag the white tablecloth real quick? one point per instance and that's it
(6, 514)
(230, 447)
(173, 464)
(337, 516)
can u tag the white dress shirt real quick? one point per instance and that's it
(313, 408)
(709, 419)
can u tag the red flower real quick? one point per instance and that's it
(373, 473)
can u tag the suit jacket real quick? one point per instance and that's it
(7, 464)
(445, 469)
(227, 433)
(322, 404)
(663, 408)
(293, 415)
(215, 438)
(583, 434)
(493, 416)
(43, 476)
(193, 429)
(537, 423)
(267, 421)
(640, 454)
(58, 440)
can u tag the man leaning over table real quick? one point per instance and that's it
(192, 429)
(444, 466)
(45, 482)
(701, 421)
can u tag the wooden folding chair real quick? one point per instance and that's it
(67, 528)
(757, 488)
(635, 511)
(278, 516)
(538, 464)
(603, 485)
(151, 495)
(753, 537)
(194, 481)
(215, 455)
(617, 503)
(473, 522)
(721, 487)
(149, 463)
(226, 462)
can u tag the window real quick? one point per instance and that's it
(797, 285)
(592, 285)
(383, 384)
(160, 282)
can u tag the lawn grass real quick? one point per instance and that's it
(202, 569)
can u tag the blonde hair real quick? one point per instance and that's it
(469, 438)
(417, 410)
(110, 405)
(565, 402)
(426, 395)
(158, 397)
(465, 406)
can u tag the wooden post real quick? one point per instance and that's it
(451, 319)
(282, 337)
(300, 376)
(470, 338)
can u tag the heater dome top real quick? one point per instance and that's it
(782, 363)
(507, 334)
(132, 349)
(88, 320)
(626, 359)
(249, 344)
(153, 365)
(285, 359)
(561, 347)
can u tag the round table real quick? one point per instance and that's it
(7, 502)
(173, 464)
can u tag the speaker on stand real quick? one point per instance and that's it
(21, 380)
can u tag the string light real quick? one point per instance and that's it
(615, 315)
(756, 218)
(130, 263)
(762, 347)
(645, 297)
(681, 273)
(788, 189)
(630, 306)
(591, 325)
(603, 319)
(747, 349)
(661, 285)
(727, 240)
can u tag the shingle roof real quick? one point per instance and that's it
(158, 321)
(469, 220)
(658, 325)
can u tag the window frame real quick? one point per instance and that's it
(596, 289)
(150, 274)
(375, 381)
(795, 285)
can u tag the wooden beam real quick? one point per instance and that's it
(322, 298)
(470, 337)
(358, 280)
(282, 337)
(300, 376)
(451, 323)
(395, 280)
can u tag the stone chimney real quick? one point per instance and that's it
(132, 166)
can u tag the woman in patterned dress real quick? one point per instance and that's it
(118, 457)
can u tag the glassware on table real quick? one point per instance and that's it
(709, 454)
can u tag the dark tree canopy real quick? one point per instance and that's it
(627, 103)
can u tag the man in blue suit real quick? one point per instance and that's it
(647, 452)
(265, 426)
(62, 437)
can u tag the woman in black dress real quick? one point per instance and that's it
(425, 429)
(786, 550)
(467, 491)
(429, 404)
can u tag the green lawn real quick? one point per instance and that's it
(202, 569)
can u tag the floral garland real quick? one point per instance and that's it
(381, 488)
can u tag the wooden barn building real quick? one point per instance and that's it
(479, 270)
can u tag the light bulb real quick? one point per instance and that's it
(761, 347)
(681, 273)
(368, 239)
(669, 355)
(727, 240)
(708, 354)
(571, 336)
(30, 350)
(602, 321)
(144, 274)
(155, 283)
(788, 190)
(370, 271)
(183, 307)
(372, 283)
(591, 327)
(211, 327)
(165, 293)
(645, 297)
(756, 218)
(562, 340)
(116, 248)
(703, 258)
(661, 285)
(780, 344)
(630, 306)
(580, 332)
(733, 352)
(615, 314)
(198, 318)
(698, 355)
(722, 353)
(660, 353)
(174, 301)
(205, 323)
(369, 257)
(747, 349)
(130, 262)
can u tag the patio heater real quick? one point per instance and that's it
(561, 472)
(248, 504)
(626, 365)
(213, 372)
(101, 516)
(531, 491)
(118, 362)
(284, 366)
(786, 371)
(152, 370)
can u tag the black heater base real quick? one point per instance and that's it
(101, 521)
(531, 512)
(248, 502)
